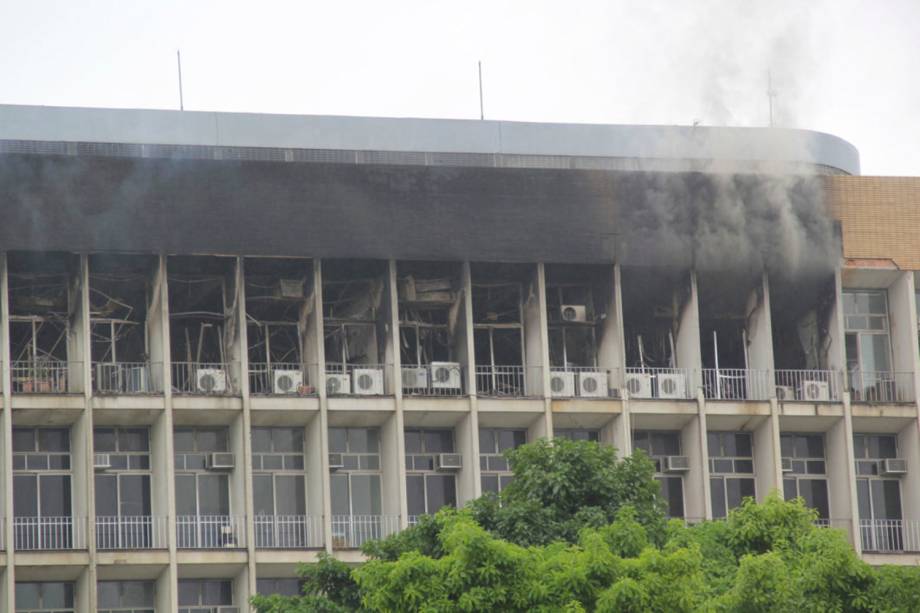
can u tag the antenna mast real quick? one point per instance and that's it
(482, 114)
(179, 65)
(771, 94)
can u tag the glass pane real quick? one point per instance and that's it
(261, 440)
(358, 440)
(790, 491)
(133, 439)
(863, 499)
(107, 595)
(887, 447)
(665, 443)
(815, 446)
(744, 466)
(816, 467)
(186, 496)
(369, 462)
(189, 592)
(787, 445)
(288, 439)
(489, 483)
(292, 500)
(738, 489)
(439, 441)
(743, 445)
(137, 593)
(54, 439)
(104, 440)
(874, 353)
(337, 440)
(183, 440)
(886, 499)
(272, 462)
(413, 441)
(487, 440)
(339, 495)
(213, 495)
(672, 489)
(504, 481)
(106, 495)
(717, 496)
(25, 495)
(878, 303)
(57, 595)
(55, 495)
(508, 439)
(415, 494)
(263, 494)
(212, 439)
(217, 593)
(814, 491)
(714, 443)
(641, 441)
(441, 492)
(23, 440)
(365, 493)
(27, 596)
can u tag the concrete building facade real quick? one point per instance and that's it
(230, 342)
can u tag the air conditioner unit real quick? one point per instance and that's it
(785, 393)
(336, 461)
(101, 461)
(573, 312)
(211, 380)
(220, 461)
(815, 390)
(592, 384)
(562, 384)
(446, 375)
(287, 381)
(676, 464)
(639, 385)
(894, 466)
(368, 381)
(136, 380)
(415, 378)
(787, 465)
(337, 384)
(672, 385)
(450, 461)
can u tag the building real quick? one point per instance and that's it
(229, 342)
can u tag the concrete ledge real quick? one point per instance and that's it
(657, 405)
(284, 403)
(157, 557)
(511, 405)
(585, 405)
(218, 557)
(435, 403)
(208, 403)
(819, 409)
(884, 410)
(901, 559)
(130, 403)
(733, 407)
(48, 401)
(46, 416)
(287, 556)
(52, 558)
(362, 403)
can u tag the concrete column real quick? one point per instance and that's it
(7, 602)
(759, 331)
(611, 350)
(167, 464)
(698, 480)
(536, 343)
(837, 356)
(840, 476)
(902, 317)
(687, 342)
(320, 359)
(909, 449)
(851, 471)
(394, 358)
(768, 474)
(619, 432)
(469, 346)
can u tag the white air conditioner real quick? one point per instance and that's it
(787, 465)
(446, 375)
(672, 385)
(562, 384)
(573, 312)
(815, 390)
(220, 461)
(136, 380)
(336, 461)
(337, 384)
(211, 380)
(894, 466)
(676, 464)
(287, 381)
(785, 393)
(639, 385)
(592, 384)
(415, 378)
(101, 461)
(368, 381)
(450, 461)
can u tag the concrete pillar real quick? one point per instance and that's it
(902, 317)
(167, 464)
(83, 485)
(837, 357)
(242, 475)
(611, 350)
(759, 330)
(320, 358)
(469, 347)
(687, 341)
(695, 442)
(7, 592)
(841, 486)
(393, 357)
(768, 474)
(851, 472)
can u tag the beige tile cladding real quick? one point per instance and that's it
(880, 217)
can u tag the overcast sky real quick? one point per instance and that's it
(841, 66)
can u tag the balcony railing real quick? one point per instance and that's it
(358, 379)
(665, 383)
(352, 531)
(46, 377)
(509, 381)
(127, 378)
(808, 385)
(49, 533)
(889, 535)
(881, 387)
(283, 379)
(584, 382)
(737, 384)
(210, 532)
(440, 379)
(202, 378)
(138, 532)
(288, 531)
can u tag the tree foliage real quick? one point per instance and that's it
(597, 543)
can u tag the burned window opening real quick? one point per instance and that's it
(653, 302)
(202, 300)
(576, 309)
(354, 319)
(429, 297)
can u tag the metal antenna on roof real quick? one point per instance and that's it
(771, 94)
(179, 65)
(482, 114)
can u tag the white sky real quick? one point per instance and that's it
(847, 67)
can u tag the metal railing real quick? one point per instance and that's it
(666, 383)
(412, 520)
(881, 386)
(433, 380)
(210, 532)
(49, 533)
(889, 535)
(509, 381)
(202, 378)
(283, 379)
(737, 384)
(358, 379)
(808, 385)
(352, 531)
(46, 377)
(135, 532)
(288, 531)
(584, 382)
(127, 378)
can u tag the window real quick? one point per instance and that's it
(493, 443)
(731, 455)
(658, 446)
(202, 496)
(123, 518)
(204, 595)
(125, 597)
(868, 347)
(356, 488)
(878, 498)
(279, 492)
(42, 597)
(282, 587)
(805, 474)
(41, 488)
(578, 434)
(427, 489)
